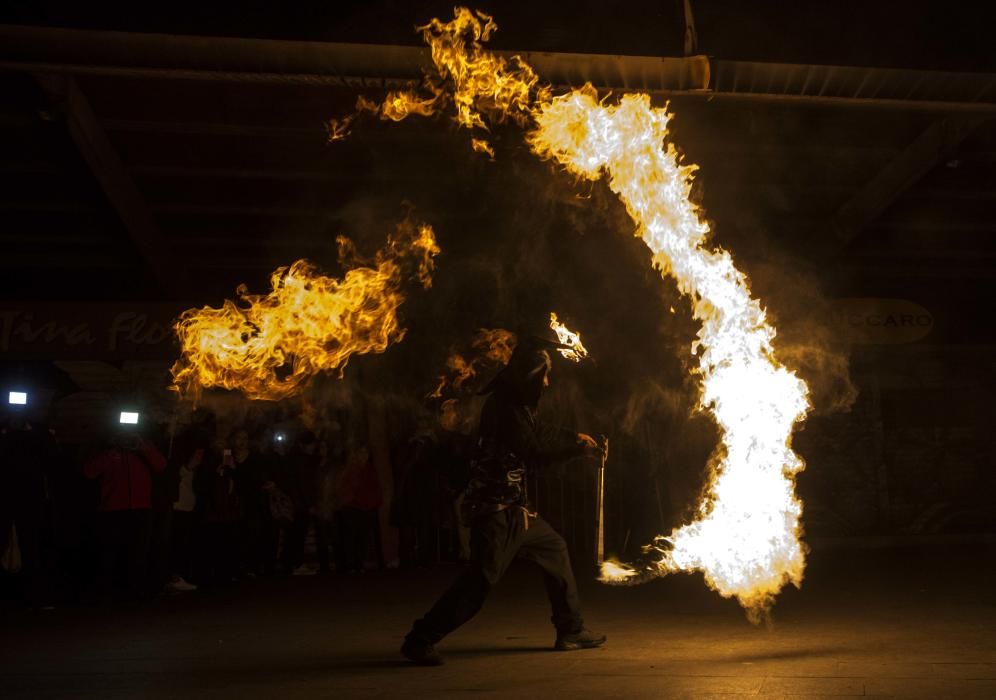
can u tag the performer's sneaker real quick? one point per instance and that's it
(421, 653)
(585, 639)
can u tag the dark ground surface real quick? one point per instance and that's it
(907, 624)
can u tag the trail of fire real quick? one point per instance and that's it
(746, 536)
(746, 540)
(308, 323)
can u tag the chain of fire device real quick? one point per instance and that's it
(746, 537)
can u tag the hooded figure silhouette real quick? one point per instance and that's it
(497, 509)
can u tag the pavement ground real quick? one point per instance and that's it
(907, 624)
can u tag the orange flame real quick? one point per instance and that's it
(616, 571)
(400, 105)
(495, 344)
(479, 81)
(746, 536)
(488, 345)
(482, 146)
(476, 82)
(308, 323)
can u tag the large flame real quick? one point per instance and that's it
(746, 537)
(309, 323)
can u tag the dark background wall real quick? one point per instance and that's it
(235, 178)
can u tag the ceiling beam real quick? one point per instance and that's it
(147, 126)
(308, 62)
(46, 259)
(110, 173)
(168, 57)
(206, 210)
(935, 144)
(185, 172)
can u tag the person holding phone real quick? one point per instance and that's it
(27, 453)
(124, 470)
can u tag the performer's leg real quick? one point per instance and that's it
(543, 545)
(493, 544)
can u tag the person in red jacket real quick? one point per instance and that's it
(124, 470)
(358, 526)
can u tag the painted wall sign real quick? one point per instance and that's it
(99, 331)
(881, 321)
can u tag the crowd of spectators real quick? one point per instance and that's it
(153, 510)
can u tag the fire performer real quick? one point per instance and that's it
(498, 512)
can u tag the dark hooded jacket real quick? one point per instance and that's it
(508, 445)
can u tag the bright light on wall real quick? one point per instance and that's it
(128, 418)
(17, 398)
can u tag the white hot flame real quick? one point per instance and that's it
(575, 350)
(745, 539)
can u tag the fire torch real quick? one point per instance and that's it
(600, 505)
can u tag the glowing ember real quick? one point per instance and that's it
(746, 537)
(309, 323)
(575, 352)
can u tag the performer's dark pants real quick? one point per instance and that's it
(495, 540)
